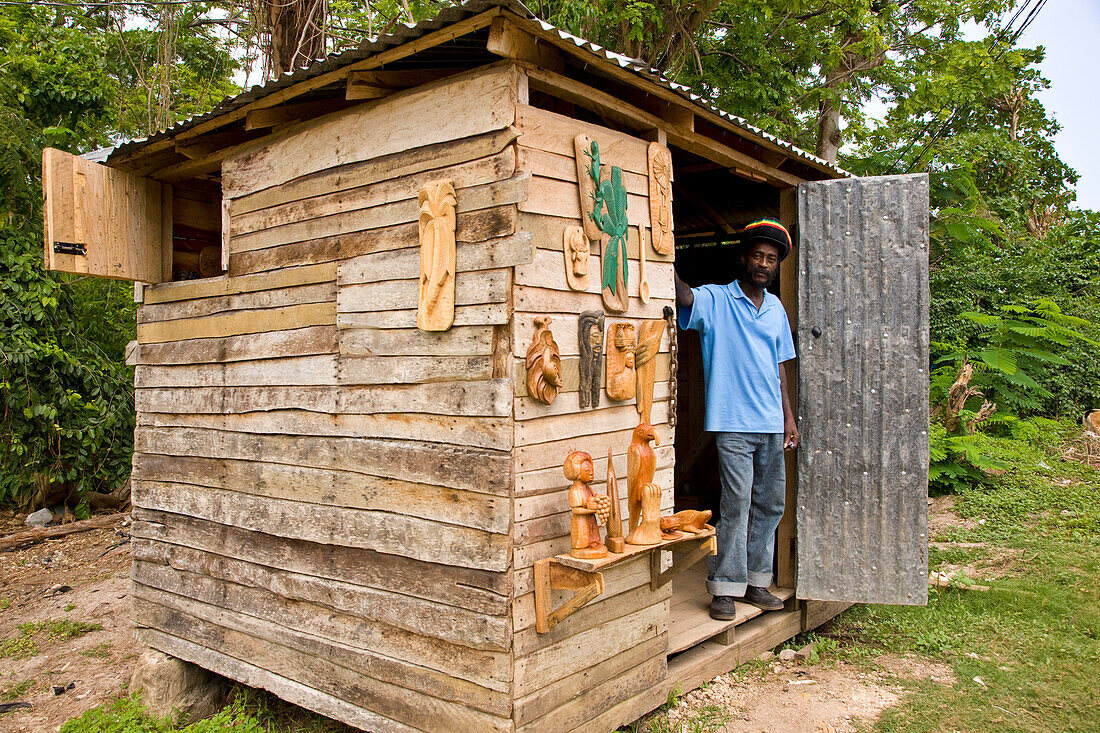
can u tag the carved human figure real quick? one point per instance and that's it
(590, 341)
(641, 464)
(648, 531)
(645, 365)
(585, 507)
(621, 380)
(660, 198)
(435, 309)
(543, 363)
(577, 250)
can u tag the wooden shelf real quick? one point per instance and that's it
(583, 577)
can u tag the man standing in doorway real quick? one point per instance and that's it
(746, 338)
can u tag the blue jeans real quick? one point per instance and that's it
(753, 478)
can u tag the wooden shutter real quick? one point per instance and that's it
(104, 222)
(863, 390)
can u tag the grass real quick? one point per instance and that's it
(25, 644)
(99, 651)
(17, 690)
(250, 711)
(1032, 641)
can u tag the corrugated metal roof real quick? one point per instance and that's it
(449, 16)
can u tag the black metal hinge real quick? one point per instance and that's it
(69, 248)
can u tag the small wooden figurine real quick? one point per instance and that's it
(576, 248)
(621, 379)
(689, 520)
(586, 507)
(435, 309)
(648, 531)
(582, 146)
(609, 213)
(543, 363)
(615, 541)
(670, 528)
(641, 464)
(645, 365)
(660, 198)
(590, 338)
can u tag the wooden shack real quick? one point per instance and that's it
(368, 517)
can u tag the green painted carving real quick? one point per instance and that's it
(610, 195)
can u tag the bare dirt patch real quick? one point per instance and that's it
(942, 516)
(79, 581)
(797, 698)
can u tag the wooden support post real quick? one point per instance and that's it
(788, 291)
(708, 546)
(508, 40)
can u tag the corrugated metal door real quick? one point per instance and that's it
(863, 390)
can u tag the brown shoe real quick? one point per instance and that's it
(761, 598)
(723, 609)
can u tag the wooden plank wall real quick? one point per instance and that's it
(323, 493)
(604, 665)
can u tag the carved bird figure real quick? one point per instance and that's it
(641, 464)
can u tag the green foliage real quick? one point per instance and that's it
(16, 691)
(24, 645)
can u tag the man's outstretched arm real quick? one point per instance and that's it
(684, 296)
(790, 424)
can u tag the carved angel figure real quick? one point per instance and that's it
(543, 363)
(436, 304)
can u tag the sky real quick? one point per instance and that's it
(1069, 30)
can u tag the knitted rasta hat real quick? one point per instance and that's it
(770, 231)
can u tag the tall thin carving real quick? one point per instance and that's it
(674, 364)
(576, 248)
(590, 340)
(615, 541)
(435, 308)
(621, 384)
(660, 198)
(645, 365)
(543, 363)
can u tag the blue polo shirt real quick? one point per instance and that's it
(742, 348)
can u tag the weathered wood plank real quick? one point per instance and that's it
(255, 584)
(474, 226)
(181, 309)
(387, 167)
(547, 270)
(564, 168)
(616, 416)
(471, 104)
(404, 264)
(478, 432)
(510, 191)
(295, 371)
(549, 699)
(570, 374)
(414, 369)
(265, 345)
(471, 288)
(272, 627)
(554, 133)
(464, 175)
(311, 668)
(475, 590)
(548, 233)
(470, 315)
(239, 322)
(539, 481)
(456, 341)
(385, 532)
(596, 699)
(527, 408)
(227, 285)
(550, 664)
(618, 579)
(552, 197)
(284, 687)
(330, 488)
(471, 469)
(536, 300)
